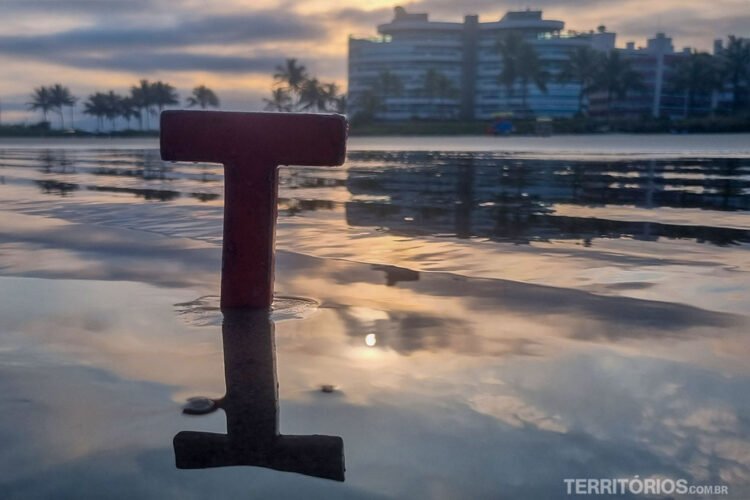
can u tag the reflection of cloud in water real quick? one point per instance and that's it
(37, 246)
(470, 309)
(482, 423)
(685, 414)
(405, 332)
(472, 385)
(577, 314)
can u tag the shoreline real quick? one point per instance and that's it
(477, 128)
(613, 146)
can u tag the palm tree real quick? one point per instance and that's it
(128, 109)
(280, 100)
(312, 95)
(509, 48)
(164, 95)
(96, 106)
(437, 86)
(530, 71)
(41, 99)
(617, 78)
(339, 104)
(582, 67)
(291, 74)
(387, 85)
(520, 64)
(694, 75)
(60, 97)
(736, 68)
(73, 101)
(142, 96)
(203, 97)
(333, 99)
(112, 107)
(430, 82)
(368, 103)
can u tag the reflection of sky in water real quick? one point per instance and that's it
(475, 352)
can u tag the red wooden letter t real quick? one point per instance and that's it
(251, 146)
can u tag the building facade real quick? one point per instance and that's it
(411, 50)
(656, 65)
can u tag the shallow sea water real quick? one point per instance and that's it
(486, 318)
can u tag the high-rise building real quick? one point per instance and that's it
(418, 68)
(656, 65)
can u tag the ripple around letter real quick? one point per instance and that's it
(205, 311)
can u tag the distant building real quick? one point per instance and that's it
(465, 54)
(466, 57)
(656, 64)
(723, 100)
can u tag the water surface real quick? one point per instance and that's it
(488, 317)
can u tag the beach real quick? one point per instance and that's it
(491, 316)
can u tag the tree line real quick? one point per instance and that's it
(698, 74)
(593, 70)
(296, 90)
(436, 88)
(144, 100)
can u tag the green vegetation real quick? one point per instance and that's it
(617, 78)
(295, 90)
(735, 69)
(576, 125)
(53, 98)
(203, 97)
(373, 100)
(146, 99)
(418, 128)
(698, 74)
(436, 87)
(648, 125)
(582, 67)
(521, 66)
(113, 112)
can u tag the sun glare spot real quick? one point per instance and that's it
(370, 340)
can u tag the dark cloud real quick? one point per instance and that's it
(78, 7)
(210, 30)
(144, 49)
(455, 10)
(685, 23)
(367, 18)
(173, 61)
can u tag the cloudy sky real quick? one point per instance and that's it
(233, 45)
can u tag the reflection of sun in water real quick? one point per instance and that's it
(370, 340)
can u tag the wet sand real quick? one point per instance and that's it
(538, 335)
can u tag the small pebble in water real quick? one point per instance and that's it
(199, 406)
(327, 388)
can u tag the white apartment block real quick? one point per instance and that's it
(465, 53)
